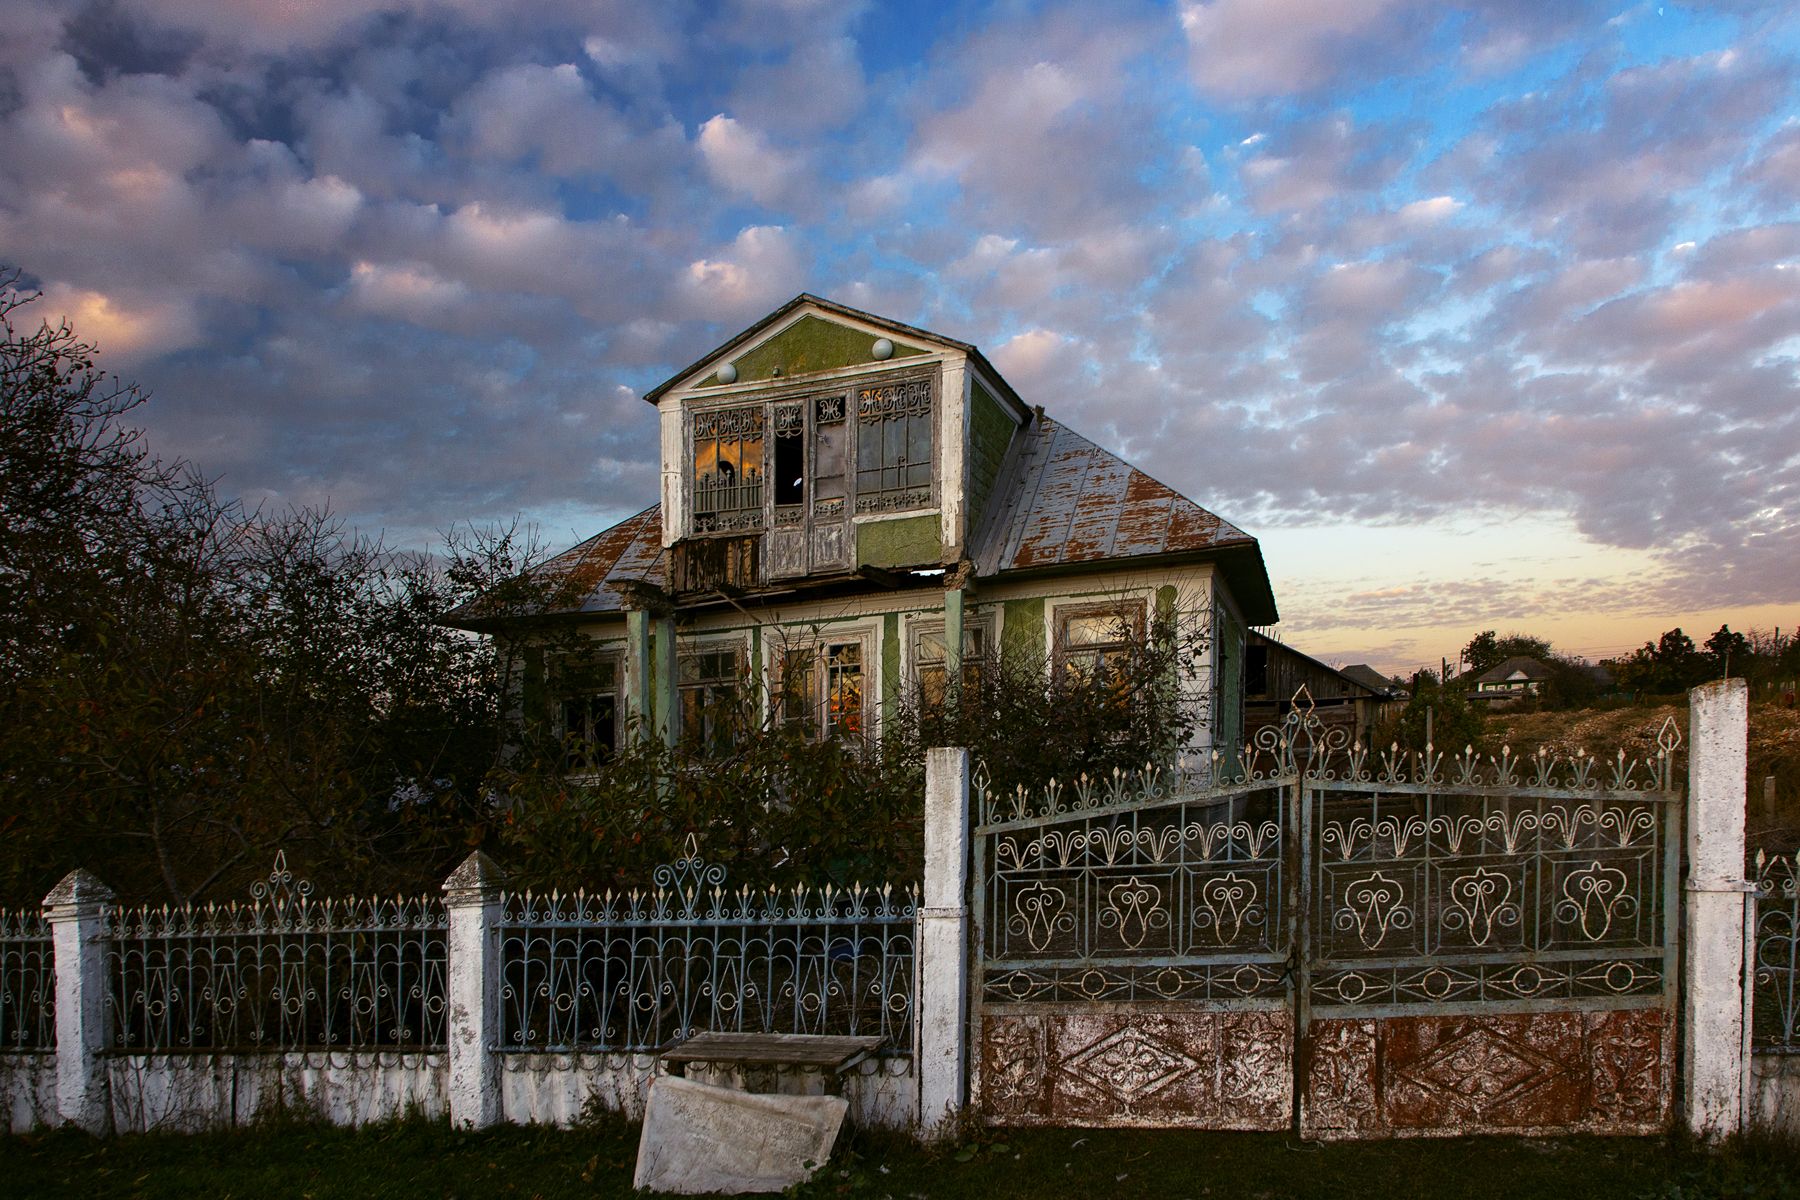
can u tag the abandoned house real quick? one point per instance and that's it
(852, 508)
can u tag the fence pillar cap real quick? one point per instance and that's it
(77, 889)
(1723, 687)
(477, 878)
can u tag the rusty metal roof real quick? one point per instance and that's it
(581, 579)
(1066, 502)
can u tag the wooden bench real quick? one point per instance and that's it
(831, 1056)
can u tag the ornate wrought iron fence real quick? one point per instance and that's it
(1139, 886)
(633, 971)
(1776, 925)
(1480, 880)
(284, 971)
(27, 984)
(1301, 933)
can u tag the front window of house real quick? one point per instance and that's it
(588, 713)
(930, 656)
(822, 688)
(711, 696)
(893, 446)
(1095, 642)
(728, 469)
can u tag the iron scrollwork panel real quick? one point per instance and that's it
(628, 972)
(27, 983)
(1777, 952)
(1130, 895)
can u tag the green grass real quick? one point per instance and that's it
(426, 1159)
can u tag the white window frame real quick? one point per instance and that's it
(920, 626)
(735, 645)
(563, 694)
(779, 643)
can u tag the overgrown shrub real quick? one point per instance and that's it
(781, 808)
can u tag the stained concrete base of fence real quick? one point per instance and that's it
(1775, 1093)
(699, 1138)
(203, 1091)
(27, 1092)
(189, 1093)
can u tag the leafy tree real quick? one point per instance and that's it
(195, 685)
(1724, 650)
(1029, 721)
(1454, 722)
(1671, 664)
(1572, 684)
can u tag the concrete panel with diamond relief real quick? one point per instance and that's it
(1210, 1070)
(1545, 1072)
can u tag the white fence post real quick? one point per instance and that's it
(75, 909)
(1715, 1048)
(472, 991)
(944, 943)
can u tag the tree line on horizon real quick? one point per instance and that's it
(1668, 666)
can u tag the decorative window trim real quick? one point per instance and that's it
(1131, 611)
(728, 508)
(979, 627)
(909, 401)
(861, 404)
(866, 637)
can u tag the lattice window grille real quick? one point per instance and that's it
(894, 440)
(728, 469)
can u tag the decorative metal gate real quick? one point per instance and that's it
(1352, 944)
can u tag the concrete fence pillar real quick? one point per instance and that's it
(472, 991)
(943, 952)
(1715, 1044)
(76, 911)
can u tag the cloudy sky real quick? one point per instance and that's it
(1479, 315)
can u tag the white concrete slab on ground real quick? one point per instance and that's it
(698, 1138)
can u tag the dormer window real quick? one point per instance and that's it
(804, 463)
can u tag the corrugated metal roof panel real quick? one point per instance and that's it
(1075, 502)
(578, 580)
(1099, 517)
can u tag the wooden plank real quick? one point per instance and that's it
(773, 1049)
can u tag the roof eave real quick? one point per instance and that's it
(1241, 562)
(912, 332)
